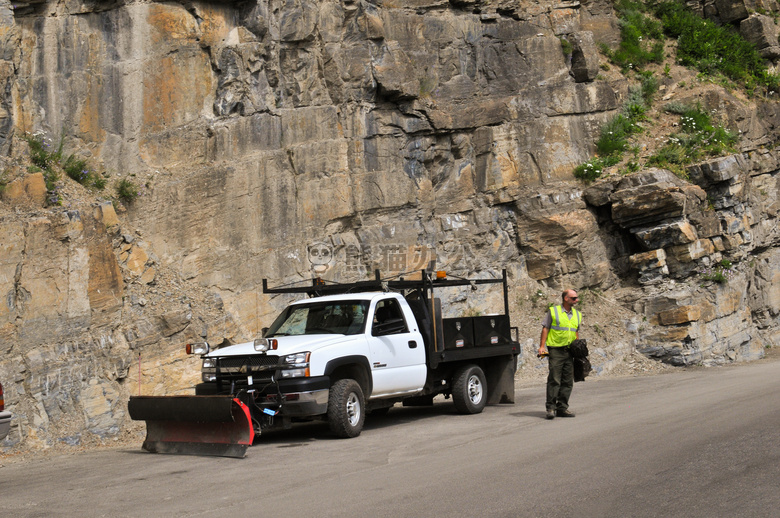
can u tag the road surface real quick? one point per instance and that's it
(693, 443)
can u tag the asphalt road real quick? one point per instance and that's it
(693, 443)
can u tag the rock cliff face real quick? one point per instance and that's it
(286, 139)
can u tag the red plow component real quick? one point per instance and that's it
(194, 425)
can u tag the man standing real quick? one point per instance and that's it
(559, 329)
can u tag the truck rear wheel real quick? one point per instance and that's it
(346, 408)
(469, 390)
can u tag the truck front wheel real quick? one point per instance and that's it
(346, 408)
(469, 390)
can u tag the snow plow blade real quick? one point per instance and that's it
(219, 426)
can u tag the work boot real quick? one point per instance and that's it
(564, 413)
(550, 413)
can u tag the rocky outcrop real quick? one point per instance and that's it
(287, 139)
(700, 248)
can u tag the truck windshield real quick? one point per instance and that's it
(346, 317)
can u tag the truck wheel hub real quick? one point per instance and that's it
(475, 389)
(353, 409)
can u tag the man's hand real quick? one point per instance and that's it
(542, 342)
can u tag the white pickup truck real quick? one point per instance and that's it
(350, 350)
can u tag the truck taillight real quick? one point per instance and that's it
(197, 348)
(2, 398)
(441, 274)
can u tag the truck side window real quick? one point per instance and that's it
(388, 312)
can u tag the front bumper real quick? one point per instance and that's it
(309, 403)
(5, 423)
(294, 397)
(300, 396)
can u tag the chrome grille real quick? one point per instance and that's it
(249, 361)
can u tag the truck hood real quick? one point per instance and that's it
(287, 345)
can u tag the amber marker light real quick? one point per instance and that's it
(197, 348)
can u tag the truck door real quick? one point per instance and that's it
(396, 349)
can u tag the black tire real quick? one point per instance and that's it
(469, 390)
(346, 408)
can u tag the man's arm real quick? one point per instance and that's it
(543, 341)
(579, 324)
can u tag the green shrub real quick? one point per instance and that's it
(126, 190)
(635, 106)
(649, 88)
(76, 168)
(99, 182)
(39, 152)
(676, 107)
(671, 156)
(614, 135)
(589, 171)
(566, 47)
(632, 167)
(592, 169)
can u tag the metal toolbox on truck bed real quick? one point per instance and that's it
(458, 332)
(491, 330)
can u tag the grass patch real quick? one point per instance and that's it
(566, 47)
(714, 49)
(126, 190)
(721, 273)
(590, 170)
(698, 138)
(78, 170)
(614, 136)
(50, 162)
(45, 161)
(641, 37)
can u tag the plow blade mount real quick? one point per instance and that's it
(194, 425)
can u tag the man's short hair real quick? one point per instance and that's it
(563, 295)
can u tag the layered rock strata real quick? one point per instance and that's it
(288, 139)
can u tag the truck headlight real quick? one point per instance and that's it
(296, 359)
(298, 364)
(209, 370)
(296, 373)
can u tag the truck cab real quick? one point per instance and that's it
(372, 337)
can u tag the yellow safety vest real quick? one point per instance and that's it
(563, 330)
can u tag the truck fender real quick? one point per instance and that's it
(355, 360)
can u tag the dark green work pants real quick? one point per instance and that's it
(561, 378)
